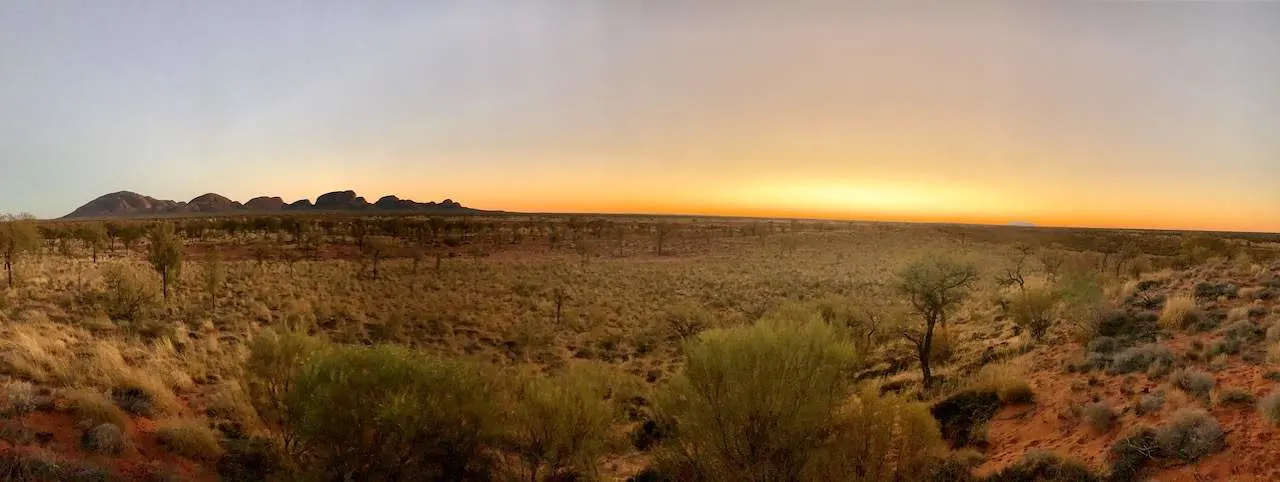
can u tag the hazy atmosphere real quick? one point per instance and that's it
(1147, 114)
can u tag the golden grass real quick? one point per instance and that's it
(92, 408)
(1179, 313)
(1009, 381)
(189, 438)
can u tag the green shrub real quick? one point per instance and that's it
(416, 418)
(769, 402)
(269, 371)
(1033, 310)
(685, 320)
(561, 424)
(130, 293)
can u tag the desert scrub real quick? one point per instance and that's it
(1235, 396)
(131, 293)
(1149, 403)
(92, 408)
(1006, 380)
(1033, 309)
(1269, 407)
(737, 381)
(104, 439)
(189, 438)
(1139, 358)
(1191, 435)
(1099, 416)
(1045, 465)
(1196, 383)
(389, 397)
(269, 371)
(561, 424)
(1179, 313)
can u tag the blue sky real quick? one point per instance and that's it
(1153, 114)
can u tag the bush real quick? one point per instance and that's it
(1100, 416)
(1269, 407)
(1139, 358)
(1194, 382)
(963, 415)
(103, 439)
(1179, 313)
(391, 398)
(1033, 311)
(561, 424)
(250, 460)
(686, 319)
(133, 400)
(93, 408)
(1149, 404)
(1243, 331)
(768, 402)
(1192, 435)
(130, 294)
(1007, 381)
(1103, 344)
(1047, 466)
(269, 371)
(22, 466)
(1236, 396)
(1131, 454)
(189, 438)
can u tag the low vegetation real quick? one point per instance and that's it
(551, 349)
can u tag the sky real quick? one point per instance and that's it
(1144, 114)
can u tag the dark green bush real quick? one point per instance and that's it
(963, 415)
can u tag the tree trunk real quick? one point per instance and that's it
(8, 269)
(164, 281)
(926, 351)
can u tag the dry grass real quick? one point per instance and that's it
(524, 307)
(1007, 380)
(92, 408)
(1180, 312)
(189, 438)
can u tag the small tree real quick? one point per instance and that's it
(130, 234)
(94, 235)
(18, 235)
(215, 274)
(165, 254)
(376, 248)
(935, 286)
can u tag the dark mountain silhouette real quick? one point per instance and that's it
(263, 203)
(130, 204)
